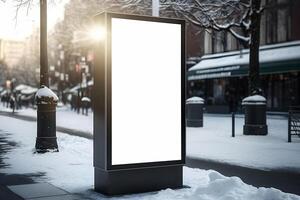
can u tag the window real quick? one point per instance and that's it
(271, 26)
(284, 21)
(276, 22)
(219, 41)
(207, 43)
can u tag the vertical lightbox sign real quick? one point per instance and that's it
(146, 91)
(139, 104)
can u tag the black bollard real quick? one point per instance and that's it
(255, 115)
(46, 120)
(289, 128)
(194, 112)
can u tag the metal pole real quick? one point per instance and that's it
(155, 8)
(289, 128)
(233, 124)
(46, 108)
(44, 80)
(62, 69)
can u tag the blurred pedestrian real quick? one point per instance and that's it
(12, 103)
(85, 102)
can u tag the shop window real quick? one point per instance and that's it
(219, 91)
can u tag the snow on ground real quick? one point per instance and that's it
(64, 117)
(72, 170)
(214, 142)
(63, 168)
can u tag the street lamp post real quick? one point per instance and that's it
(46, 99)
(43, 44)
(155, 8)
(62, 70)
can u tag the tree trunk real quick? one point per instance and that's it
(254, 79)
(44, 80)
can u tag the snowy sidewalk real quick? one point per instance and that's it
(213, 142)
(67, 121)
(71, 169)
(272, 152)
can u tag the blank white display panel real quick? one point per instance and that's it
(146, 91)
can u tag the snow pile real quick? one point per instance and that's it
(72, 170)
(44, 95)
(195, 100)
(255, 99)
(211, 185)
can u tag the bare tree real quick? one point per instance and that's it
(241, 18)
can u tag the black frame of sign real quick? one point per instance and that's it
(102, 118)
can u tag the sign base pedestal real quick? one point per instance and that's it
(138, 180)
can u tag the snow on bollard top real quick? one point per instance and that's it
(195, 100)
(254, 100)
(86, 99)
(44, 95)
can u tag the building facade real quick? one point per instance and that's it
(220, 77)
(11, 51)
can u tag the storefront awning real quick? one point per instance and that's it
(277, 58)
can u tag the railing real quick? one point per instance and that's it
(294, 122)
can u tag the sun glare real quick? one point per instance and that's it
(97, 33)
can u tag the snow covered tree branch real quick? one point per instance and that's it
(229, 15)
(233, 16)
(241, 18)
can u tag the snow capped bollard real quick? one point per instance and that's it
(194, 112)
(45, 96)
(255, 115)
(85, 101)
(46, 116)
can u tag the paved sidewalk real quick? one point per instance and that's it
(42, 191)
(14, 179)
(23, 186)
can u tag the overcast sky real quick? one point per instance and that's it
(20, 29)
